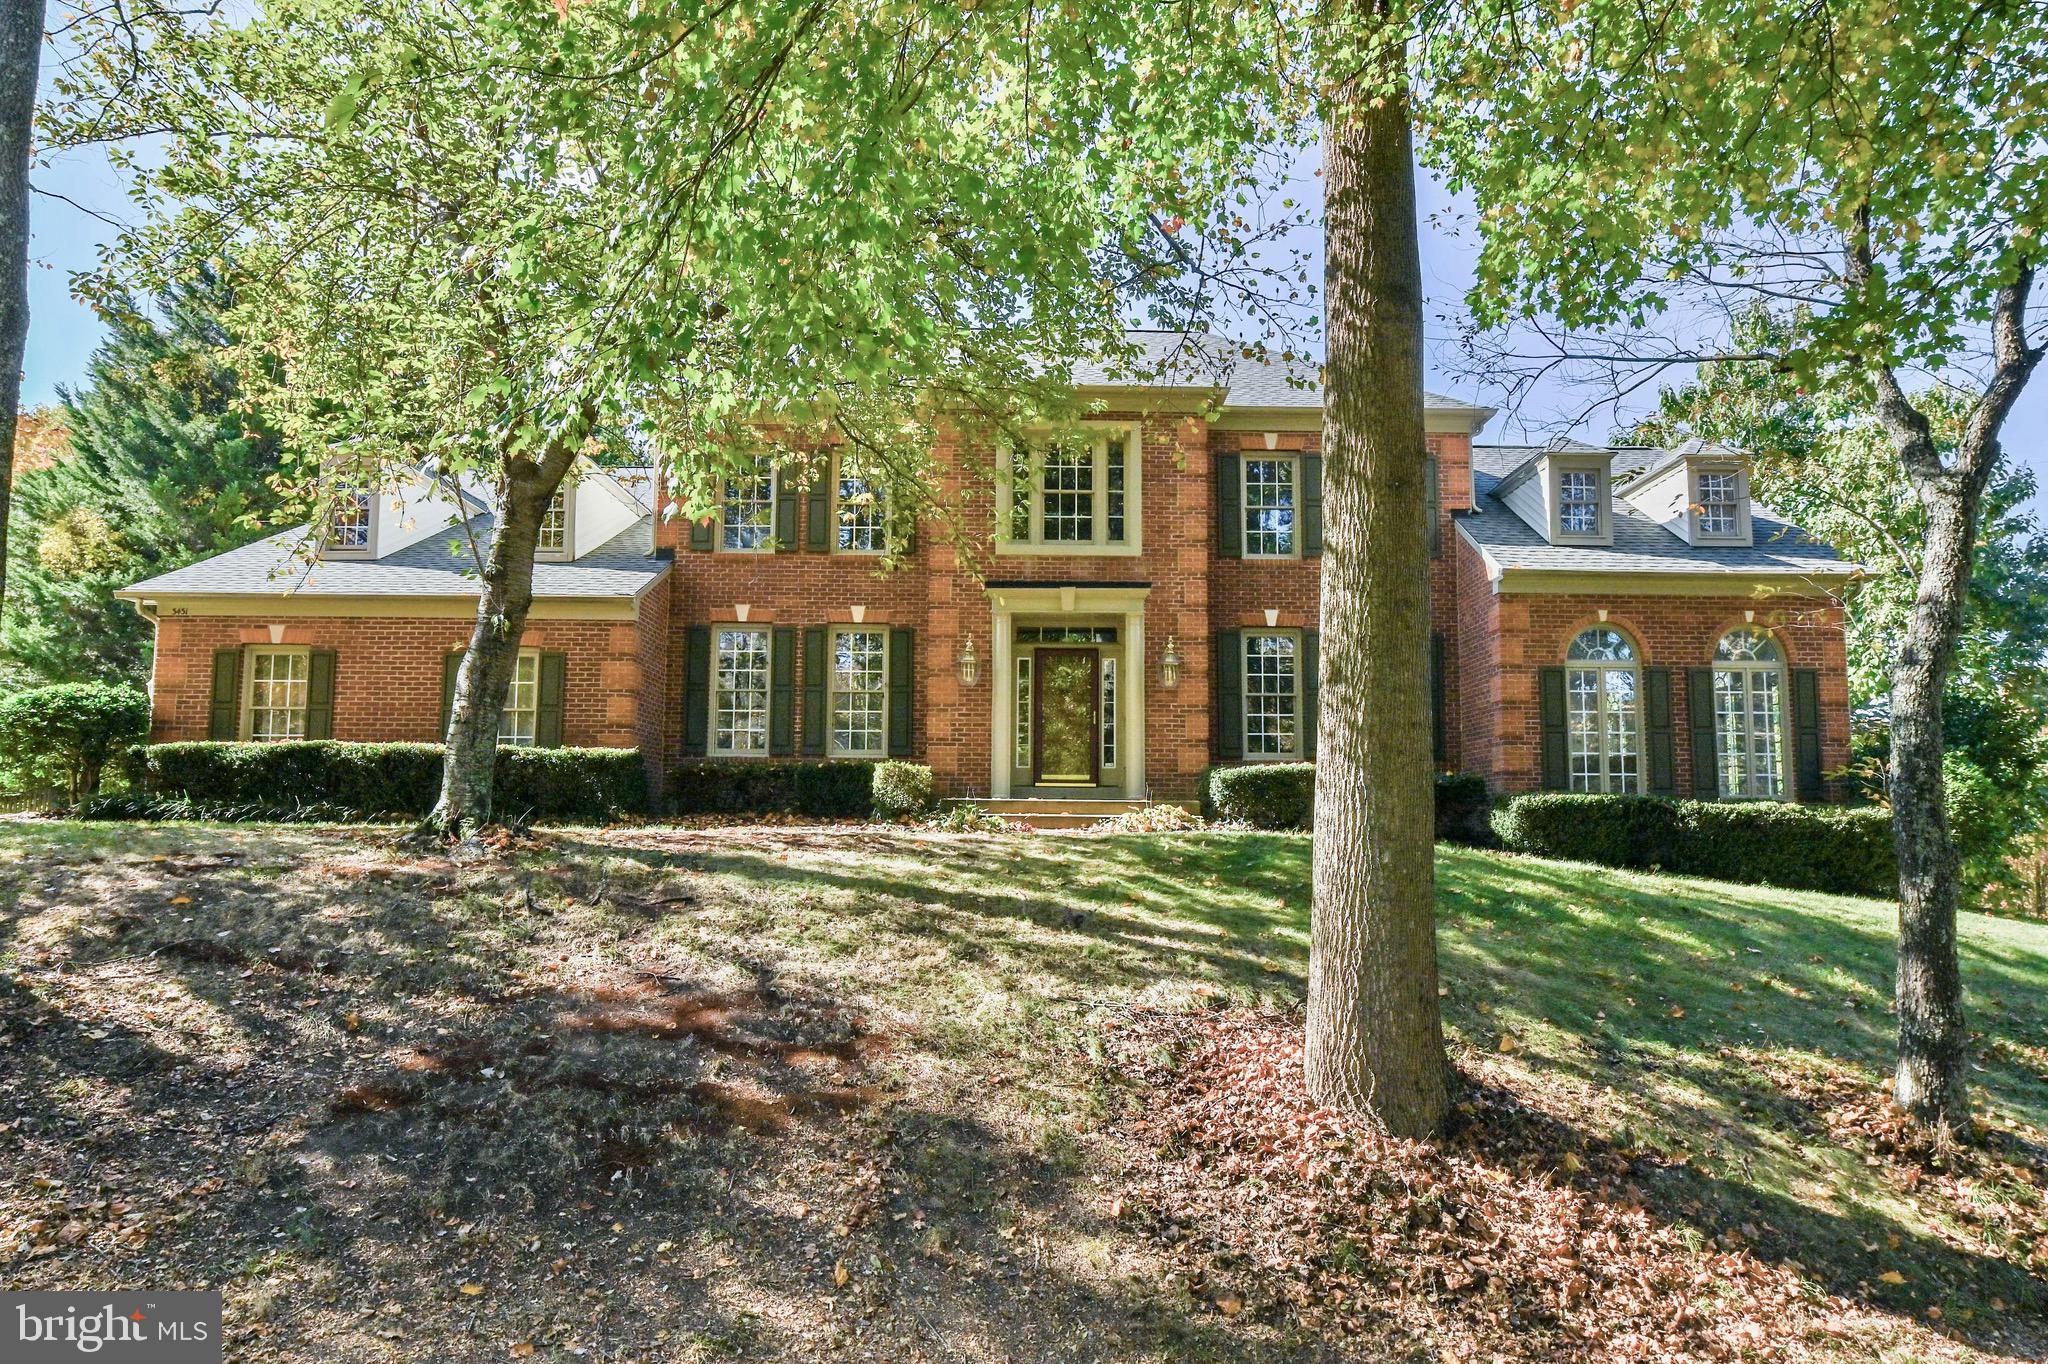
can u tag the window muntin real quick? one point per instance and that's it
(1272, 696)
(1578, 502)
(1269, 507)
(278, 684)
(554, 524)
(748, 508)
(1108, 710)
(520, 721)
(859, 686)
(1067, 494)
(1749, 715)
(1603, 712)
(1072, 494)
(348, 530)
(860, 519)
(739, 693)
(1719, 503)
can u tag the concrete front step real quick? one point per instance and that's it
(1046, 812)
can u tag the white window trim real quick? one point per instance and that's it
(245, 723)
(1244, 694)
(711, 747)
(768, 545)
(568, 550)
(329, 550)
(1292, 459)
(1744, 533)
(832, 529)
(1634, 667)
(1100, 433)
(1603, 524)
(524, 654)
(833, 689)
(1786, 738)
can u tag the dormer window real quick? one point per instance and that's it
(1720, 500)
(1578, 502)
(1578, 499)
(348, 530)
(554, 527)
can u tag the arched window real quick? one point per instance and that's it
(1749, 715)
(1603, 717)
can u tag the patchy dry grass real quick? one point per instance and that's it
(792, 1094)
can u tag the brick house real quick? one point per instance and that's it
(1146, 606)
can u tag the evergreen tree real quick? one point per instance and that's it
(164, 471)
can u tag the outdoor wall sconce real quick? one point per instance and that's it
(970, 663)
(1169, 664)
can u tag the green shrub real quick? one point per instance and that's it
(832, 789)
(1800, 847)
(388, 781)
(1282, 796)
(902, 789)
(64, 735)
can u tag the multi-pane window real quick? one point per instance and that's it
(1602, 712)
(1108, 709)
(1718, 504)
(1272, 697)
(859, 694)
(1269, 508)
(1113, 460)
(350, 527)
(1067, 486)
(1022, 755)
(749, 507)
(522, 702)
(1076, 491)
(1749, 715)
(739, 698)
(862, 524)
(277, 694)
(554, 524)
(1578, 502)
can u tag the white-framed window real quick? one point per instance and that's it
(1074, 493)
(860, 516)
(1270, 483)
(1749, 715)
(521, 718)
(349, 524)
(859, 685)
(1720, 505)
(1108, 709)
(1022, 749)
(739, 693)
(1603, 712)
(554, 527)
(1578, 501)
(747, 508)
(275, 696)
(1272, 695)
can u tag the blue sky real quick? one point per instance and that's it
(66, 237)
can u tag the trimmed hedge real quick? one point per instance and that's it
(828, 789)
(1282, 796)
(1799, 847)
(902, 789)
(386, 781)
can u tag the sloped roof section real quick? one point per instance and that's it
(1209, 361)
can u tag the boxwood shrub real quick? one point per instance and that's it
(1800, 847)
(828, 789)
(902, 789)
(386, 781)
(1282, 796)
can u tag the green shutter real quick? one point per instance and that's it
(1229, 507)
(902, 677)
(548, 705)
(697, 692)
(1432, 505)
(1311, 467)
(701, 533)
(1439, 741)
(1706, 764)
(1556, 751)
(1658, 742)
(818, 513)
(781, 692)
(1311, 691)
(788, 534)
(320, 694)
(817, 667)
(1229, 668)
(1806, 733)
(226, 715)
(451, 664)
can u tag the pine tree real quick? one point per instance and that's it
(164, 471)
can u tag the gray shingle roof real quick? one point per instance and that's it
(438, 566)
(1209, 361)
(1640, 544)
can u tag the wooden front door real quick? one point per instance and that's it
(1066, 696)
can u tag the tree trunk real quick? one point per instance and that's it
(1375, 1037)
(485, 674)
(21, 50)
(1931, 1083)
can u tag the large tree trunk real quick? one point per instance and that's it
(1375, 1038)
(21, 50)
(486, 670)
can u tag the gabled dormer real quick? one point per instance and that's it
(1699, 492)
(1564, 493)
(590, 508)
(365, 524)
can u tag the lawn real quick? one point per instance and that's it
(646, 1094)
